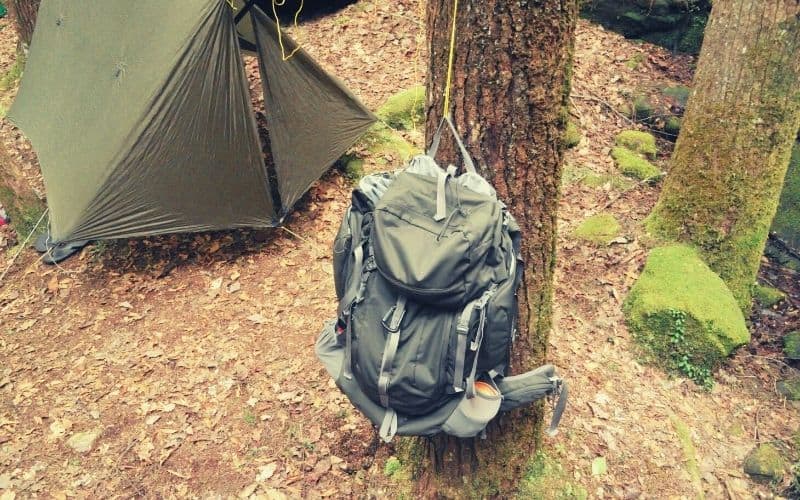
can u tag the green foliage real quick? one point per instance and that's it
(633, 165)
(572, 136)
(637, 141)
(601, 228)
(392, 466)
(404, 110)
(767, 296)
(545, 478)
(588, 177)
(249, 417)
(680, 358)
(683, 315)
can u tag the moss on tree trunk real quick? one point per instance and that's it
(734, 146)
(509, 94)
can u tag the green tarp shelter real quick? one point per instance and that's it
(142, 120)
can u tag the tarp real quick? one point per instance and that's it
(312, 117)
(142, 120)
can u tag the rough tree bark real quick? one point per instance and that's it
(734, 146)
(509, 98)
(24, 15)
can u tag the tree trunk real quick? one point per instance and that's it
(24, 15)
(509, 95)
(731, 156)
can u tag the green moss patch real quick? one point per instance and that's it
(689, 453)
(572, 136)
(637, 141)
(382, 140)
(791, 345)
(672, 127)
(765, 462)
(404, 110)
(601, 228)
(589, 177)
(683, 315)
(766, 296)
(546, 478)
(633, 165)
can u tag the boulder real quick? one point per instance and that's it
(601, 228)
(683, 314)
(765, 462)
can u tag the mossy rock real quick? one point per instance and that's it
(766, 296)
(765, 462)
(638, 142)
(643, 109)
(572, 136)
(404, 110)
(683, 314)
(791, 345)
(789, 388)
(672, 127)
(633, 165)
(382, 140)
(679, 93)
(601, 228)
(354, 169)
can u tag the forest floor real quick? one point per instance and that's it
(187, 361)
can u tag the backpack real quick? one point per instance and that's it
(426, 268)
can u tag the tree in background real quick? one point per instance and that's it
(733, 150)
(510, 86)
(24, 15)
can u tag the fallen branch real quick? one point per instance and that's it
(784, 246)
(605, 103)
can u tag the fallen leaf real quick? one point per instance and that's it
(143, 450)
(599, 466)
(257, 319)
(83, 442)
(266, 471)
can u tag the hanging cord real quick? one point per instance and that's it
(280, 3)
(450, 57)
(22, 247)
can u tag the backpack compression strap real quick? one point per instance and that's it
(393, 328)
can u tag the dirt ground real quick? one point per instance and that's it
(189, 359)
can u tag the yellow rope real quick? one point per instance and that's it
(450, 58)
(278, 23)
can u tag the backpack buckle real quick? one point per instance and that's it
(391, 322)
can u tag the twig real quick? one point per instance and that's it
(22, 246)
(294, 234)
(605, 103)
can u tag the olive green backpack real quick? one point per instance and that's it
(426, 269)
